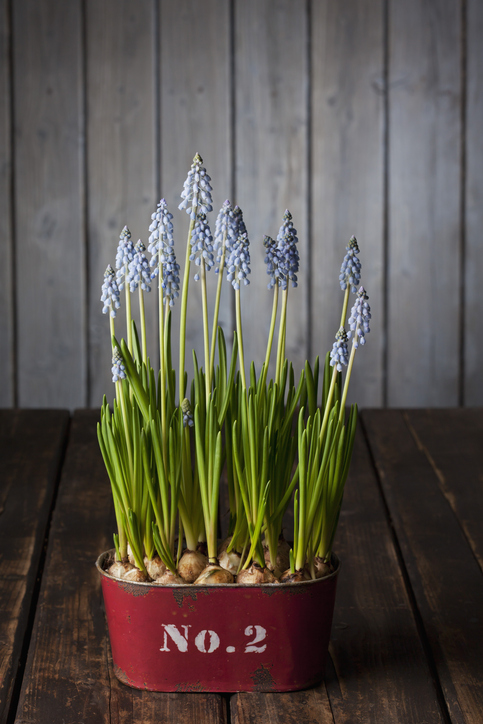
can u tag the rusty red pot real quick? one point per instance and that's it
(219, 638)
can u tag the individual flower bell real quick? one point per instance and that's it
(287, 252)
(201, 244)
(350, 271)
(118, 369)
(124, 256)
(359, 318)
(238, 261)
(225, 231)
(339, 354)
(139, 272)
(196, 192)
(110, 292)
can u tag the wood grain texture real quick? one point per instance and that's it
(309, 707)
(27, 491)
(195, 118)
(424, 202)
(49, 223)
(271, 126)
(347, 174)
(69, 676)
(121, 161)
(380, 670)
(443, 571)
(7, 388)
(473, 386)
(452, 443)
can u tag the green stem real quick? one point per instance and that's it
(240, 339)
(217, 309)
(348, 377)
(328, 405)
(143, 326)
(270, 336)
(111, 327)
(162, 358)
(344, 306)
(128, 315)
(281, 337)
(206, 336)
(184, 309)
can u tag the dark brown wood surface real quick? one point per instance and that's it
(443, 572)
(69, 676)
(31, 448)
(407, 631)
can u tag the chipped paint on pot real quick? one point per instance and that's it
(219, 638)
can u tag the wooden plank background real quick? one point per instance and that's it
(360, 117)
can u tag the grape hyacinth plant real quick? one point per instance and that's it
(169, 442)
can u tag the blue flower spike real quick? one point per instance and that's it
(187, 413)
(118, 370)
(161, 246)
(287, 252)
(124, 256)
(110, 292)
(225, 232)
(339, 354)
(201, 244)
(271, 260)
(350, 271)
(196, 192)
(238, 261)
(359, 318)
(139, 272)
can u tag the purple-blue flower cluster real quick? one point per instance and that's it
(187, 413)
(350, 271)
(271, 260)
(196, 192)
(282, 256)
(339, 354)
(359, 318)
(139, 272)
(124, 256)
(118, 370)
(201, 244)
(238, 261)
(110, 292)
(161, 246)
(225, 231)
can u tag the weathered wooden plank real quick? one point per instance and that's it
(381, 673)
(271, 132)
(49, 202)
(310, 707)
(69, 674)
(424, 202)
(121, 161)
(347, 159)
(473, 387)
(6, 247)
(195, 118)
(444, 574)
(451, 440)
(27, 490)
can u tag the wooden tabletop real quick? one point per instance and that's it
(407, 637)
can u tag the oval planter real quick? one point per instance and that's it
(224, 638)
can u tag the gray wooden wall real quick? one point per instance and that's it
(362, 117)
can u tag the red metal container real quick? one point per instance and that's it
(219, 638)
